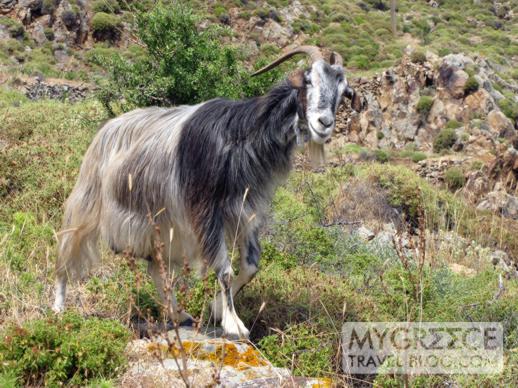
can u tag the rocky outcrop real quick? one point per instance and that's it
(413, 102)
(38, 88)
(210, 361)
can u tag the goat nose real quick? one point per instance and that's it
(326, 121)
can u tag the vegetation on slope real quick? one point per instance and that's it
(315, 274)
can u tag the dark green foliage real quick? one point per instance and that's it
(509, 108)
(182, 64)
(106, 6)
(418, 57)
(445, 139)
(48, 6)
(106, 27)
(69, 17)
(49, 33)
(454, 178)
(453, 124)
(471, 85)
(63, 350)
(418, 156)
(424, 105)
(381, 156)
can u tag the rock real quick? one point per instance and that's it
(479, 102)
(38, 34)
(7, 5)
(501, 202)
(37, 89)
(238, 364)
(364, 233)
(456, 83)
(500, 124)
(458, 61)
(61, 55)
(274, 32)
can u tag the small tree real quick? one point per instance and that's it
(182, 64)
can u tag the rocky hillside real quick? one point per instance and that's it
(415, 216)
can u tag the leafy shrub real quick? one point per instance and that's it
(424, 105)
(48, 6)
(453, 124)
(301, 347)
(14, 28)
(454, 178)
(106, 6)
(106, 27)
(381, 156)
(49, 33)
(418, 156)
(182, 64)
(63, 350)
(509, 108)
(360, 61)
(471, 85)
(445, 139)
(69, 18)
(418, 57)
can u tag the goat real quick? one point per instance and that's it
(208, 170)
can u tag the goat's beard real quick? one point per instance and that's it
(316, 153)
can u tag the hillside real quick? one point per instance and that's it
(413, 218)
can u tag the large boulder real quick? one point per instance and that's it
(7, 5)
(210, 361)
(501, 202)
(500, 124)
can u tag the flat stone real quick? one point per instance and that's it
(209, 361)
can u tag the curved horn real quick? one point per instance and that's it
(313, 52)
(336, 59)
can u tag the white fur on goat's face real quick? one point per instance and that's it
(325, 86)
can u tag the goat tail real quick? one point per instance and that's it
(78, 250)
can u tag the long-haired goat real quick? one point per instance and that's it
(193, 166)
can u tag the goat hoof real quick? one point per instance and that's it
(233, 328)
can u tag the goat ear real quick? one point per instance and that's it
(297, 79)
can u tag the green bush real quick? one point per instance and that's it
(418, 156)
(471, 85)
(418, 57)
(48, 6)
(14, 28)
(106, 6)
(445, 139)
(453, 124)
(182, 64)
(509, 108)
(424, 105)
(49, 33)
(381, 156)
(63, 350)
(301, 347)
(106, 27)
(454, 178)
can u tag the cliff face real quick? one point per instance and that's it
(412, 102)
(60, 21)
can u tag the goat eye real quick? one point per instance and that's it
(307, 79)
